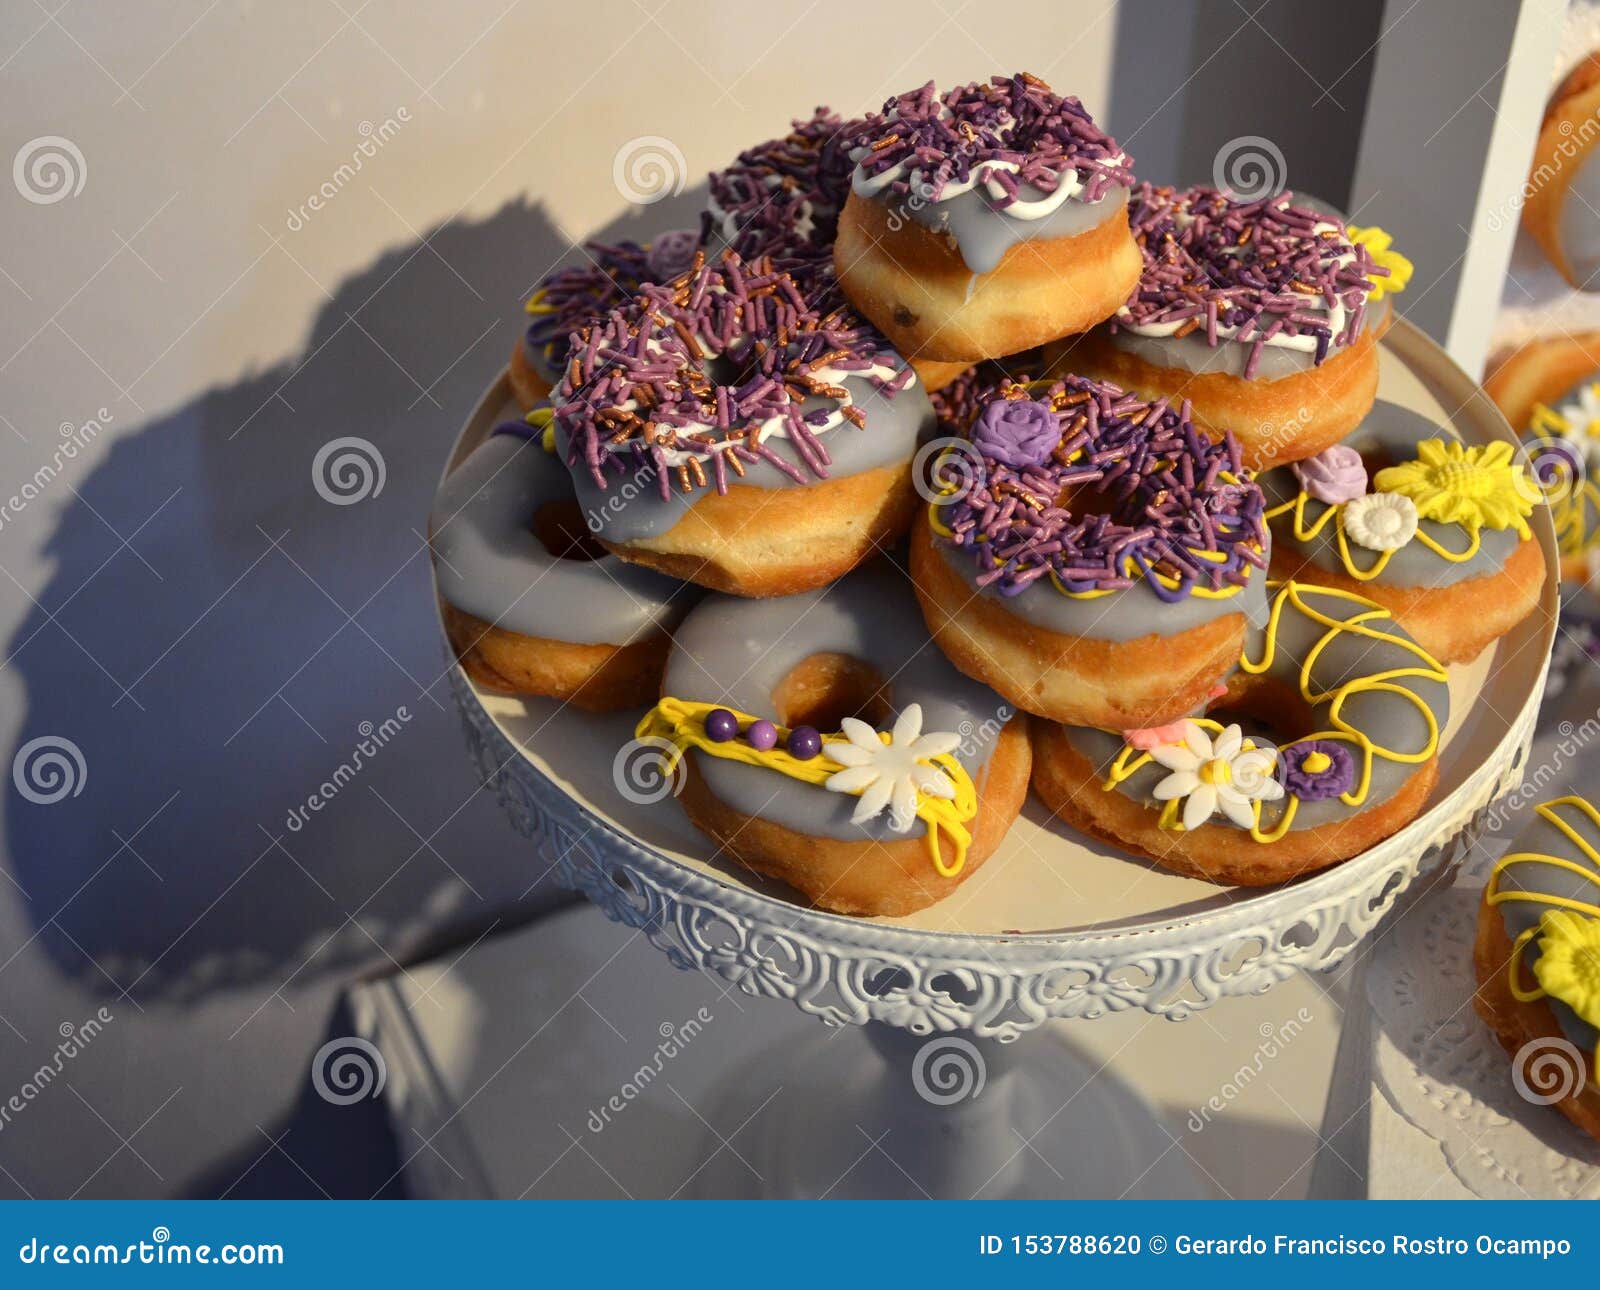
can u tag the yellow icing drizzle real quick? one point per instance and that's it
(1130, 759)
(682, 723)
(1556, 927)
(1304, 532)
(544, 415)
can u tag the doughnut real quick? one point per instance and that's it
(782, 197)
(1438, 534)
(957, 402)
(1549, 390)
(985, 220)
(529, 606)
(829, 748)
(719, 429)
(1092, 559)
(1193, 795)
(577, 295)
(1256, 312)
(1563, 189)
(1534, 957)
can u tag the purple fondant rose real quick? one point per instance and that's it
(1017, 432)
(1318, 769)
(1334, 475)
(672, 253)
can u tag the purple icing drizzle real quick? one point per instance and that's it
(1014, 119)
(1317, 786)
(1152, 471)
(637, 383)
(1211, 261)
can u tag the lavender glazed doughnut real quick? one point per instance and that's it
(529, 607)
(722, 430)
(1093, 558)
(1538, 935)
(1563, 189)
(1256, 312)
(1356, 708)
(1436, 532)
(580, 294)
(985, 220)
(828, 747)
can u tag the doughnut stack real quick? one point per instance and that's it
(948, 460)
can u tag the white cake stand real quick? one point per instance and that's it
(1053, 926)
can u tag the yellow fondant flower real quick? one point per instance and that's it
(1379, 246)
(1479, 487)
(1568, 967)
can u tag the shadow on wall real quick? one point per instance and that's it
(250, 637)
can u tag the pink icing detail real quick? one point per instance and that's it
(1156, 736)
(1334, 475)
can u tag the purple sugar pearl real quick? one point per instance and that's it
(763, 735)
(721, 725)
(804, 743)
(1017, 432)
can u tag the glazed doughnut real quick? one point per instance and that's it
(579, 294)
(529, 606)
(720, 430)
(782, 198)
(1092, 559)
(1563, 188)
(1199, 798)
(1549, 390)
(1537, 943)
(1438, 535)
(791, 785)
(1256, 312)
(985, 221)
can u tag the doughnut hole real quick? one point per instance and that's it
(1267, 707)
(561, 530)
(824, 688)
(1090, 498)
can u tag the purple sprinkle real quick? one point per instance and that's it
(1157, 478)
(762, 735)
(721, 725)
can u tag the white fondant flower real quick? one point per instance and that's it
(893, 775)
(1207, 775)
(1381, 521)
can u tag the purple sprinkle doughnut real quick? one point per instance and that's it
(1157, 476)
(934, 139)
(637, 385)
(1266, 267)
(580, 293)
